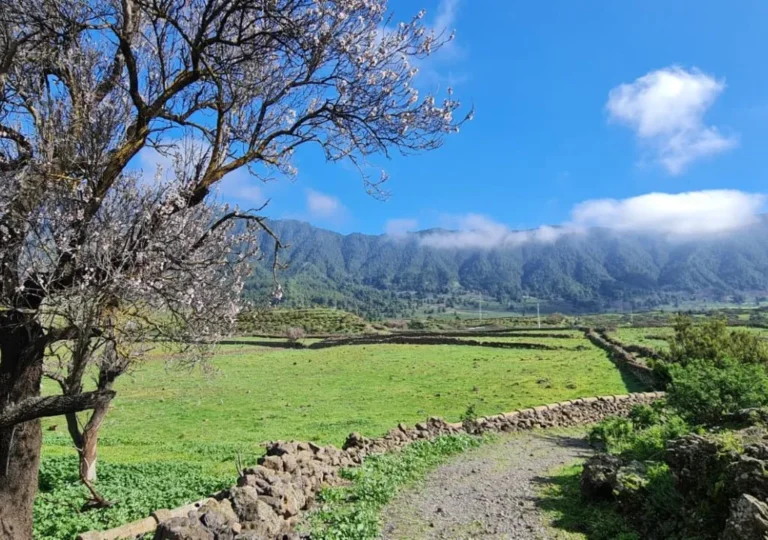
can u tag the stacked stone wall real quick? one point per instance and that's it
(268, 499)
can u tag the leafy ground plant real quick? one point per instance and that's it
(136, 490)
(353, 512)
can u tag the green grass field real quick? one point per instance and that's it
(647, 336)
(199, 422)
(256, 395)
(313, 321)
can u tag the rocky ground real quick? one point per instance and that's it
(488, 493)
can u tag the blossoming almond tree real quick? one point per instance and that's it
(220, 85)
(182, 287)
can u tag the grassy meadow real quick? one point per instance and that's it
(256, 394)
(647, 336)
(195, 423)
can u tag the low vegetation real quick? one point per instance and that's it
(201, 421)
(288, 322)
(352, 512)
(666, 484)
(137, 490)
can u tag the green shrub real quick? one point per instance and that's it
(642, 436)
(136, 490)
(657, 511)
(712, 340)
(352, 512)
(704, 391)
(614, 434)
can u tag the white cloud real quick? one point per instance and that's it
(477, 231)
(445, 20)
(400, 227)
(238, 187)
(674, 216)
(683, 214)
(666, 110)
(322, 206)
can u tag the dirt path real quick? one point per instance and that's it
(488, 493)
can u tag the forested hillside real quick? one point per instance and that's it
(594, 271)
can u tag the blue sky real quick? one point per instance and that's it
(554, 128)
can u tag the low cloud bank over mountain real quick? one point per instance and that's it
(680, 216)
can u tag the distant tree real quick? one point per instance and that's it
(295, 333)
(213, 85)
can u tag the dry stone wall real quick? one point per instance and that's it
(623, 358)
(268, 498)
(396, 339)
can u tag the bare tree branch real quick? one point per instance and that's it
(41, 407)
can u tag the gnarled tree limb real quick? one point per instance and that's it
(33, 408)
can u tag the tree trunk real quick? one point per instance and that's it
(21, 363)
(90, 441)
(87, 452)
(86, 442)
(88, 455)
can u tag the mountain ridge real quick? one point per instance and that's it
(593, 271)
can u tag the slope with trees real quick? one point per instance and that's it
(589, 272)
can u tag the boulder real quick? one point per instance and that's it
(289, 463)
(273, 462)
(748, 520)
(266, 529)
(280, 448)
(291, 499)
(598, 478)
(746, 473)
(695, 461)
(219, 517)
(249, 507)
(250, 535)
(354, 440)
(630, 484)
(304, 456)
(182, 528)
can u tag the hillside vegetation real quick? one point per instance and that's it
(311, 321)
(385, 276)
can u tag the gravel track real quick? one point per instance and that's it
(487, 493)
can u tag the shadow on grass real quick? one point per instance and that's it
(560, 499)
(632, 383)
